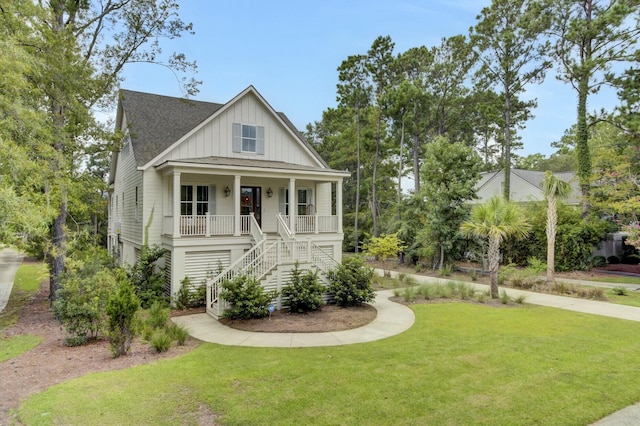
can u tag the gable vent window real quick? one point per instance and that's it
(247, 138)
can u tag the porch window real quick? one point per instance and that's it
(304, 204)
(248, 138)
(204, 201)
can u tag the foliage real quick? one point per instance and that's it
(147, 277)
(246, 297)
(589, 37)
(554, 189)
(304, 291)
(121, 309)
(507, 40)
(620, 291)
(384, 247)
(160, 341)
(495, 220)
(82, 299)
(178, 333)
(351, 282)
(449, 175)
(189, 295)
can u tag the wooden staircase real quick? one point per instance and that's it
(266, 257)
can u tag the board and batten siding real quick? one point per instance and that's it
(216, 137)
(153, 204)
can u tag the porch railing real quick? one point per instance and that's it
(213, 225)
(310, 224)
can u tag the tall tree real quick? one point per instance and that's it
(354, 91)
(554, 189)
(450, 174)
(414, 101)
(590, 36)
(507, 39)
(85, 44)
(380, 66)
(496, 220)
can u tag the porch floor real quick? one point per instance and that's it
(392, 318)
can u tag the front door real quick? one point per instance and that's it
(251, 202)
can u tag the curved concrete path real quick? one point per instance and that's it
(392, 318)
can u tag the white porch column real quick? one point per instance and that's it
(176, 205)
(236, 206)
(339, 205)
(293, 207)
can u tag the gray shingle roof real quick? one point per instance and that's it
(155, 121)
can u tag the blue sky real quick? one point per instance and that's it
(290, 51)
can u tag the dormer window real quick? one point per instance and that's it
(248, 138)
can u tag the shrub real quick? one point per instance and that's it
(620, 291)
(189, 295)
(446, 270)
(427, 291)
(409, 294)
(351, 282)
(384, 247)
(473, 274)
(160, 341)
(178, 333)
(520, 299)
(147, 277)
(504, 298)
(304, 291)
(598, 261)
(73, 341)
(121, 309)
(158, 315)
(613, 260)
(247, 299)
(80, 302)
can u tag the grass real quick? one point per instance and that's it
(15, 345)
(26, 283)
(459, 364)
(615, 280)
(632, 298)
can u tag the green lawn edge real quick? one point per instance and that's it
(459, 364)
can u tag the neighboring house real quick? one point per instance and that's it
(222, 187)
(526, 186)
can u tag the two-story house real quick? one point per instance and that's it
(228, 187)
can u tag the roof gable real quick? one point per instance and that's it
(155, 121)
(159, 124)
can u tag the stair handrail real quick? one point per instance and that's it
(255, 230)
(322, 260)
(283, 229)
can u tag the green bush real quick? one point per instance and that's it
(147, 277)
(620, 291)
(190, 295)
(178, 333)
(247, 299)
(160, 341)
(121, 309)
(598, 261)
(158, 315)
(304, 291)
(81, 300)
(351, 282)
(613, 260)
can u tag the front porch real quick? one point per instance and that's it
(228, 225)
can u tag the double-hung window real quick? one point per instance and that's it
(248, 138)
(197, 198)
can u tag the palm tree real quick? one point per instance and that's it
(497, 219)
(553, 189)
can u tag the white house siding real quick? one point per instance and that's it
(323, 199)
(215, 139)
(200, 264)
(152, 204)
(127, 179)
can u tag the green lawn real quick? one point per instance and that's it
(26, 283)
(459, 364)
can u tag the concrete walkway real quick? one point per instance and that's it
(392, 318)
(10, 260)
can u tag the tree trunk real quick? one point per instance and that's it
(57, 254)
(400, 175)
(374, 197)
(582, 144)
(507, 142)
(355, 226)
(552, 221)
(494, 264)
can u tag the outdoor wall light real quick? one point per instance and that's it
(227, 191)
(269, 192)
